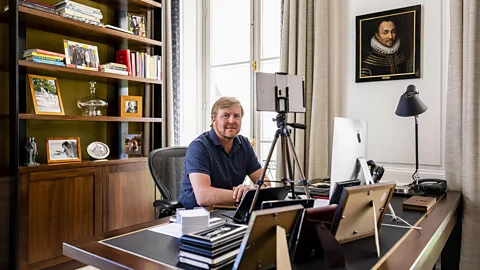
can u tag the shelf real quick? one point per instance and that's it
(83, 163)
(45, 21)
(84, 73)
(133, 5)
(27, 116)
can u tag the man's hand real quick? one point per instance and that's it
(239, 191)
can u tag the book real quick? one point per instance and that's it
(215, 236)
(205, 265)
(42, 52)
(30, 58)
(63, 12)
(37, 6)
(419, 203)
(56, 63)
(207, 260)
(211, 253)
(113, 71)
(123, 57)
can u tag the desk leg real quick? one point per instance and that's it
(450, 258)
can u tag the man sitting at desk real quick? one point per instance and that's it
(218, 160)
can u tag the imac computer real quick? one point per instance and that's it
(349, 145)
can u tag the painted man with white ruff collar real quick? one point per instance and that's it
(385, 57)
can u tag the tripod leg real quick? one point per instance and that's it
(288, 163)
(262, 177)
(299, 168)
(269, 156)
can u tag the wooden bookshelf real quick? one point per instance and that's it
(84, 163)
(83, 73)
(27, 116)
(49, 22)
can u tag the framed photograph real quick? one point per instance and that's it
(388, 45)
(45, 95)
(133, 144)
(130, 106)
(136, 24)
(63, 149)
(98, 150)
(79, 55)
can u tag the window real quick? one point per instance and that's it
(220, 43)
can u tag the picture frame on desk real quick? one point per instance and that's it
(46, 95)
(63, 149)
(131, 106)
(80, 55)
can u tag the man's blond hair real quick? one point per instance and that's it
(224, 102)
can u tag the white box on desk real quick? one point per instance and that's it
(192, 220)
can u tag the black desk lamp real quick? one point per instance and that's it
(409, 105)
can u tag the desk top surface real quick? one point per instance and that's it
(137, 248)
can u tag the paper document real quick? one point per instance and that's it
(175, 230)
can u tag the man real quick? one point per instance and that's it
(385, 57)
(131, 108)
(218, 160)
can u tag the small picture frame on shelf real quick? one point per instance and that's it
(46, 95)
(130, 106)
(136, 24)
(79, 55)
(133, 144)
(63, 149)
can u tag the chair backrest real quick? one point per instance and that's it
(166, 166)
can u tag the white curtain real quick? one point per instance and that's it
(305, 52)
(168, 83)
(463, 122)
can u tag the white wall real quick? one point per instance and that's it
(391, 138)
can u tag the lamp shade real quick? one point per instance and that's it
(410, 103)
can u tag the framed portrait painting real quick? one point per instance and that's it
(63, 149)
(388, 45)
(46, 95)
(130, 106)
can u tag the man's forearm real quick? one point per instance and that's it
(210, 196)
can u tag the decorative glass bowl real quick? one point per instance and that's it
(92, 105)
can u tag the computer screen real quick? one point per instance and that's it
(349, 143)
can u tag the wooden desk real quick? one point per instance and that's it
(415, 250)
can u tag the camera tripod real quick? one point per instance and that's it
(287, 150)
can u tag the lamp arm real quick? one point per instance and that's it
(415, 174)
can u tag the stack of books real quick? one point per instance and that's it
(35, 5)
(212, 248)
(114, 68)
(44, 57)
(141, 64)
(79, 12)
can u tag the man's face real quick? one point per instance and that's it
(387, 34)
(228, 122)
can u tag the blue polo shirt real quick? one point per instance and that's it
(206, 155)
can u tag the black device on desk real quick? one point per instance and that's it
(306, 203)
(339, 186)
(265, 194)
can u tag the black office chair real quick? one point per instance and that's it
(166, 166)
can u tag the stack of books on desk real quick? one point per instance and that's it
(213, 247)
(44, 57)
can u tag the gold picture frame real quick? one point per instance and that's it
(46, 95)
(131, 106)
(63, 149)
